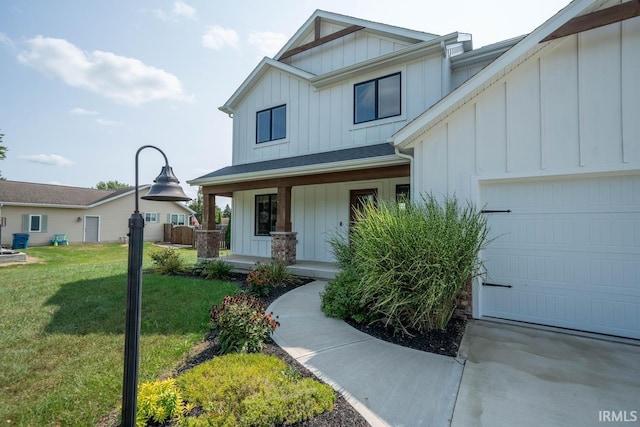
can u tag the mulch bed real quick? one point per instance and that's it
(446, 342)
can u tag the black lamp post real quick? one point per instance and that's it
(164, 189)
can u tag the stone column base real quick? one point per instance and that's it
(464, 302)
(208, 244)
(283, 247)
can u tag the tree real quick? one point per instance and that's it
(227, 212)
(111, 185)
(3, 153)
(196, 205)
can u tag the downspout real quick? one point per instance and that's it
(411, 174)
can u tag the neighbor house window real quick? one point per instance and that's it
(271, 124)
(35, 223)
(266, 214)
(178, 219)
(150, 216)
(377, 99)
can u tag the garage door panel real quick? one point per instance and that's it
(570, 251)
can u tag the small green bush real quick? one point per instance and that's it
(264, 276)
(252, 390)
(168, 262)
(241, 323)
(341, 298)
(160, 401)
(215, 269)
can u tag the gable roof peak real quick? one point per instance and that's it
(309, 27)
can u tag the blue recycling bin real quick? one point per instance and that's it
(20, 241)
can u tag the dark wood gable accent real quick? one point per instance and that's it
(321, 40)
(596, 19)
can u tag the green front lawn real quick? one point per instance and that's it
(62, 331)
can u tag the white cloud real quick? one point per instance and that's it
(126, 80)
(267, 42)
(82, 112)
(106, 122)
(179, 11)
(218, 37)
(47, 159)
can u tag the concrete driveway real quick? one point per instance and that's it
(522, 376)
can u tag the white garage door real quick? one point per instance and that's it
(568, 253)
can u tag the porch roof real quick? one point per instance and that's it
(350, 158)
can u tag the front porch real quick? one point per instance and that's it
(314, 269)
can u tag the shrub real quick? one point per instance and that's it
(168, 261)
(265, 276)
(413, 259)
(159, 401)
(253, 390)
(241, 323)
(212, 269)
(341, 298)
(342, 250)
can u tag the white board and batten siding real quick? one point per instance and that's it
(317, 212)
(320, 120)
(557, 142)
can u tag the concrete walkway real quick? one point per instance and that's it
(514, 375)
(388, 384)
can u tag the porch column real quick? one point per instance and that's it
(283, 240)
(208, 244)
(208, 239)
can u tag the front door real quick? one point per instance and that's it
(358, 199)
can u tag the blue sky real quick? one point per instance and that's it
(84, 84)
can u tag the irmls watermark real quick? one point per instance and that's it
(605, 416)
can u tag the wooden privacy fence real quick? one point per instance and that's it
(184, 235)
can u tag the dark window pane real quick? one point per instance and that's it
(266, 214)
(365, 102)
(279, 122)
(35, 223)
(389, 96)
(263, 131)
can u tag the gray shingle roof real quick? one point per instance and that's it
(29, 192)
(369, 151)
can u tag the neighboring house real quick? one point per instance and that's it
(310, 129)
(83, 214)
(548, 138)
(543, 129)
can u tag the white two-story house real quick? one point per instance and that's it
(310, 129)
(542, 132)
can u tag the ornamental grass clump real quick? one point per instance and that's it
(412, 259)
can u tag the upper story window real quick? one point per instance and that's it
(377, 99)
(271, 124)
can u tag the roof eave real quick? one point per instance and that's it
(418, 50)
(390, 160)
(255, 75)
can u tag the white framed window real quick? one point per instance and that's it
(178, 219)
(35, 223)
(150, 216)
